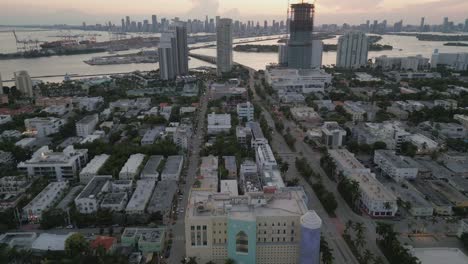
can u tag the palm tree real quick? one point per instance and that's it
(326, 251)
(229, 261)
(348, 225)
(192, 260)
(367, 257)
(360, 229)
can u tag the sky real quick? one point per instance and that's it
(22, 12)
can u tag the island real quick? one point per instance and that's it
(456, 44)
(326, 48)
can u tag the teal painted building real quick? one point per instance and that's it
(242, 238)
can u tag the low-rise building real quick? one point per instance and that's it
(398, 76)
(18, 240)
(245, 111)
(6, 159)
(58, 165)
(132, 166)
(108, 243)
(219, 123)
(252, 228)
(115, 201)
(89, 200)
(332, 135)
(50, 242)
(5, 119)
(166, 111)
(44, 201)
(218, 91)
(463, 228)
(92, 168)
(87, 125)
(242, 134)
(58, 110)
(26, 143)
(182, 136)
(346, 163)
(392, 134)
(413, 200)
(257, 136)
(424, 144)
(12, 190)
(265, 159)
(230, 165)
(151, 168)
(162, 199)
(305, 114)
(463, 119)
(146, 240)
(87, 103)
(413, 63)
(172, 168)
(152, 135)
(297, 80)
(249, 179)
(375, 199)
(396, 167)
(229, 187)
(43, 126)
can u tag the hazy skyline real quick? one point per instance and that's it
(328, 11)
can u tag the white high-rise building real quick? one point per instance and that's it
(457, 61)
(317, 52)
(352, 50)
(23, 83)
(167, 56)
(224, 45)
(1, 84)
(182, 50)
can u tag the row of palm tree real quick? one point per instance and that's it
(391, 247)
(364, 255)
(193, 260)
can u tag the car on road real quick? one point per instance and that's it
(69, 227)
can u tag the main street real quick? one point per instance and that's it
(178, 229)
(341, 251)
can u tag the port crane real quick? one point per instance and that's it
(26, 45)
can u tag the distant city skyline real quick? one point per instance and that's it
(27, 12)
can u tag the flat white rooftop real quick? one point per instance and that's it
(440, 255)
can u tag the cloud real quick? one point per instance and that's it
(201, 8)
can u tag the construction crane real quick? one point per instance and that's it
(26, 45)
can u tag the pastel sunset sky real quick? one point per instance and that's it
(328, 11)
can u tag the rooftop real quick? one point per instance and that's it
(94, 186)
(285, 202)
(50, 242)
(172, 164)
(161, 200)
(230, 187)
(397, 161)
(440, 255)
(87, 119)
(113, 198)
(152, 165)
(95, 164)
(141, 195)
(133, 163)
(372, 187)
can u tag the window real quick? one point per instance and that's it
(242, 242)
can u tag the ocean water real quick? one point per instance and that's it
(61, 65)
